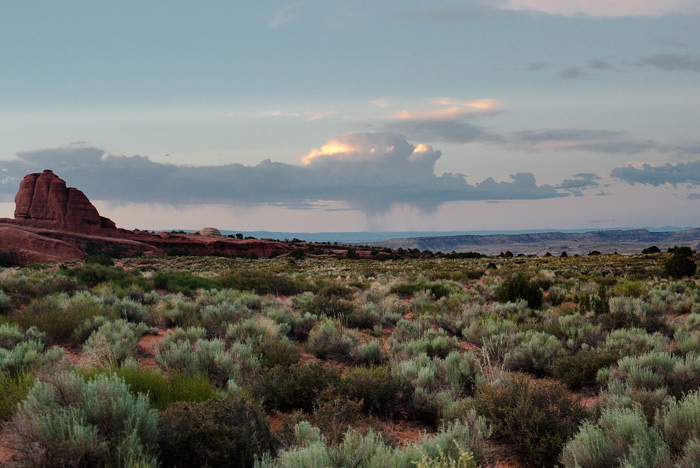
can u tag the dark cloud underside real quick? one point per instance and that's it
(368, 180)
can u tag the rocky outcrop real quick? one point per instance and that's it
(26, 247)
(43, 200)
(56, 223)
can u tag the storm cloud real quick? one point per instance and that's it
(681, 173)
(370, 171)
(580, 182)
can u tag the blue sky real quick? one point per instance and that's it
(345, 116)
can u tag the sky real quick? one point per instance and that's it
(326, 115)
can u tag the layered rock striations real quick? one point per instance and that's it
(54, 222)
(44, 200)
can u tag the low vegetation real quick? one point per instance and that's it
(429, 361)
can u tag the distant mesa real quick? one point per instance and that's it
(210, 231)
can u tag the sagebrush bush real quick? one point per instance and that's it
(633, 341)
(112, 343)
(371, 451)
(68, 421)
(537, 417)
(186, 351)
(21, 352)
(330, 340)
(535, 353)
(680, 424)
(266, 338)
(232, 432)
(649, 380)
(620, 438)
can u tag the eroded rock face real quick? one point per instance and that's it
(44, 199)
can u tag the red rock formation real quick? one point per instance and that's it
(26, 247)
(45, 200)
(55, 223)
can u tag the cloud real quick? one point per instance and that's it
(573, 73)
(599, 64)
(673, 174)
(601, 141)
(673, 62)
(467, 10)
(537, 66)
(592, 8)
(308, 116)
(579, 182)
(381, 102)
(447, 131)
(682, 149)
(283, 15)
(450, 122)
(370, 171)
(603, 8)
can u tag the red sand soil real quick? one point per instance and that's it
(147, 348)
(9, 454)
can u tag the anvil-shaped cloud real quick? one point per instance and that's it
(370, 171)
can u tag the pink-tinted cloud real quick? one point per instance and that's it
(457, 110)
(604, 8)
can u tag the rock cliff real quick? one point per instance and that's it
(45, 201)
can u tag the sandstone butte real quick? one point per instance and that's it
(55, 223)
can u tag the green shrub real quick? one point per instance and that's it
(649, 381)
(295, 387)
(431, 342)
(330, 340)
(22, 352)
(369, 353)
(382, 392)
(535, 353)
(371, 451)
(633, 341)
(366, 317)
(680, 265)
(112, 343)
(5, 304)
(93, 274)
(680, 423)
(230, 433)
(263, 282)
(13, 389)
(59, 316)
(621, 438)
(265, 338)
(580, 369)
(210, 357)
(180, 282)
(465, 460)
(537, 417)
(162, 390)
(67, 421)
(519, 287)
